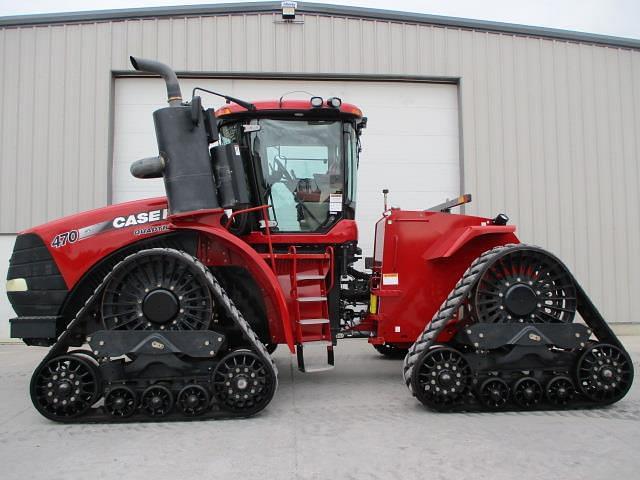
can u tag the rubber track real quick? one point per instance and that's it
(460, 292)
(447, 310)
(218, 292)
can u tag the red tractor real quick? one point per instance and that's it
(170, 307)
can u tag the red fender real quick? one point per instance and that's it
(218, 247)
(453, 242)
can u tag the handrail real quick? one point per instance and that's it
(293, 274)
(332, 276)
(265, 218)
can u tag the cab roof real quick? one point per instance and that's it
(284, 106)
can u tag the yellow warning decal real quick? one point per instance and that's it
(373, 304)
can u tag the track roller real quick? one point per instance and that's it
(193, 400)
(65, 387)
(120, 402)
(243, 383)
(494, 393)
(604, 373)
(527, 392)
(560, 391)
(441, 377)
(157, 401)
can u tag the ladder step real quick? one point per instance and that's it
(307, 277)
(314, 321)
(312, 299)
(323, 368)
(318, 343)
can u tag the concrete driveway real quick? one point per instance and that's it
(355, 422)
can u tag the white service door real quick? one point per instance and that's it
(410, 145)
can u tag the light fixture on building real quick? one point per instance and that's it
(289, 10)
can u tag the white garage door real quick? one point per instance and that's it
(409, 147)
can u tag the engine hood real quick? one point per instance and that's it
(94, 222)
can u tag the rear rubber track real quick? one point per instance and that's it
(456, 299)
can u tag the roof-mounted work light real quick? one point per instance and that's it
(316, 102)
(334, 102)
(289, 10)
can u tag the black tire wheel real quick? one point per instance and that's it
(527, 392)
(560, 391)
(243, 383)
(120, 402)
(391, 351)
(157, 289)
(65, 387)
(525, 285)
(193, 400)
(156, 401)
(494, 393)
(604, 373)
(271, 347)
(440, 377)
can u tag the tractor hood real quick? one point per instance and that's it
(89, 224)
(97, 233)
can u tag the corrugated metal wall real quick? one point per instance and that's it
(550, 127)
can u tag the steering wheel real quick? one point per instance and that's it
(280, 172)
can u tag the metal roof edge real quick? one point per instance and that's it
(318, 8)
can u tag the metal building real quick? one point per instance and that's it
(541, 124)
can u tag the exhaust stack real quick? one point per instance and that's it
(183, 146)
(174, 96)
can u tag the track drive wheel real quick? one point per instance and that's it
(527, 392)
(157, 289)
(441, 377)
(193, 400)
(525, 285)
(391, 351)
(494, 393)
(120, 402)
(65, 387)
(156, 401)
(604, 373)
(243, 383)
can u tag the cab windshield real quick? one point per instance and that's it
(300, 169)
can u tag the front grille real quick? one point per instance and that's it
(46, 289)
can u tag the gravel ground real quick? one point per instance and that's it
(355, 422)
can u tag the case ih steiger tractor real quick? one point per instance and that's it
(170, 307)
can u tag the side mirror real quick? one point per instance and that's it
(211, 125)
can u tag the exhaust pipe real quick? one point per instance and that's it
(174, 96)
(183, 147)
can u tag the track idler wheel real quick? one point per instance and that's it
(193, 400)
(243, 383)
(604, 373)
(440, 377)
(494, 393)
(525, 285)
(156, 401)
(65, 387)
(120, 402)
(527, 392)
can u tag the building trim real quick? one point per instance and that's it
(322, 9)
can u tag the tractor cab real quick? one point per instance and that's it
(300, 157)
